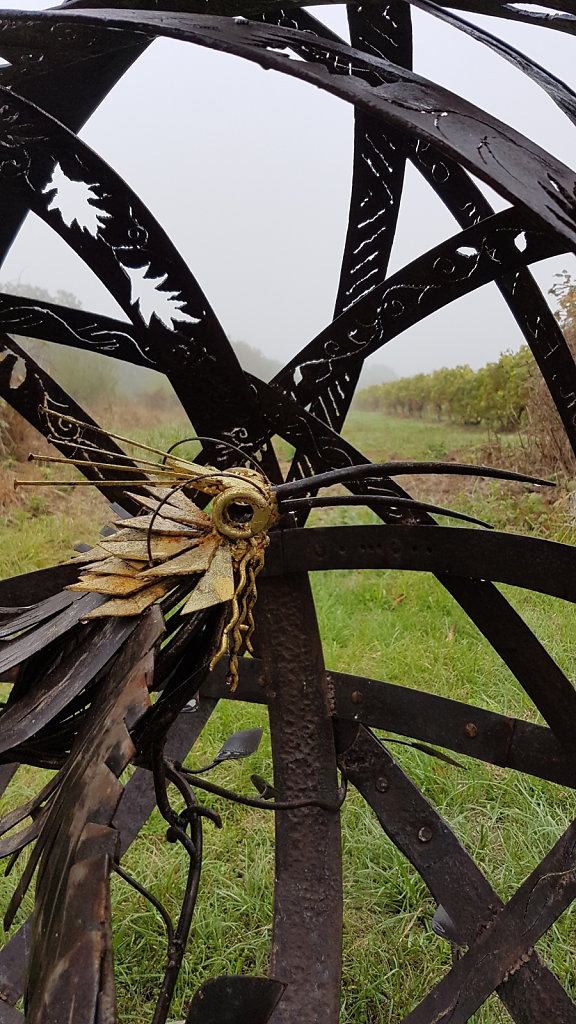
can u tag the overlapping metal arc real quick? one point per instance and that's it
(63, 62)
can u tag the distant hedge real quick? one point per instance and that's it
(495, 396)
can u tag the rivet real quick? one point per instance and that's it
(471, 730)
(425, 834)
(382, 784)
(357, 697)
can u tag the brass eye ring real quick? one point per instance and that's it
(263, 511)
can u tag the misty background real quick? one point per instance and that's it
(249, 173)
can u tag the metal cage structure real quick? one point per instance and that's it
(79, 703)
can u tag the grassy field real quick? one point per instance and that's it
(402, 627)
(387, 437)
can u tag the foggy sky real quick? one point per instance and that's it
(249, 173)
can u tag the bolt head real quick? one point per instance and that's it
(471, 730)
(357, 697)
(425, 834)
(382, 784)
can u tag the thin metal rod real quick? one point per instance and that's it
(88, 446)
(178, 944)
(145, 482)
(105, 433)
(226, 444)
(151, 899)
(376, 469)
(158, 467)
(265, 805)
(296, 504)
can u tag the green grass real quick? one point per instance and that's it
(389, 437)
(399, 626)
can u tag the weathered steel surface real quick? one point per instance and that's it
(134, 808)
(71, 939)
(463, 728)
(235, 1000)
(458, 885)
(306, 937)
(541, 565)
(520, 561)
(62, 63)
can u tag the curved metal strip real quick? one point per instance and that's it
(70, 969)
(512, 639)
(564, 400)
(36, 613)
(468, 204)
(379, 153)
(136, 804)
(505, 159)
(555, 17)
(23, 591)
(13, 652)
(379, 161)
(279, 30)
(118, 238)
(554, 14)
(544, 566)
(322, 447)
(49, 694)
(75, 328)
(377, 180)
(452, 269)
(29, 390)
(507, 942)
(510, 636)
(460, 264)
(463, 560)
(566, 415)
(475, 732)
(520, 291)
(559, 92)
(69, 93)
(449, 871)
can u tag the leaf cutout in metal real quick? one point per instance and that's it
(505, 159)
(142, 269)
(69, 94)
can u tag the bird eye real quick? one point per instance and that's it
(239, 512)
(242, 511)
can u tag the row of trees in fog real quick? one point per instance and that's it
(494, 396)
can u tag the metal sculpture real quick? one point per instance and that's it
(80, 704)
